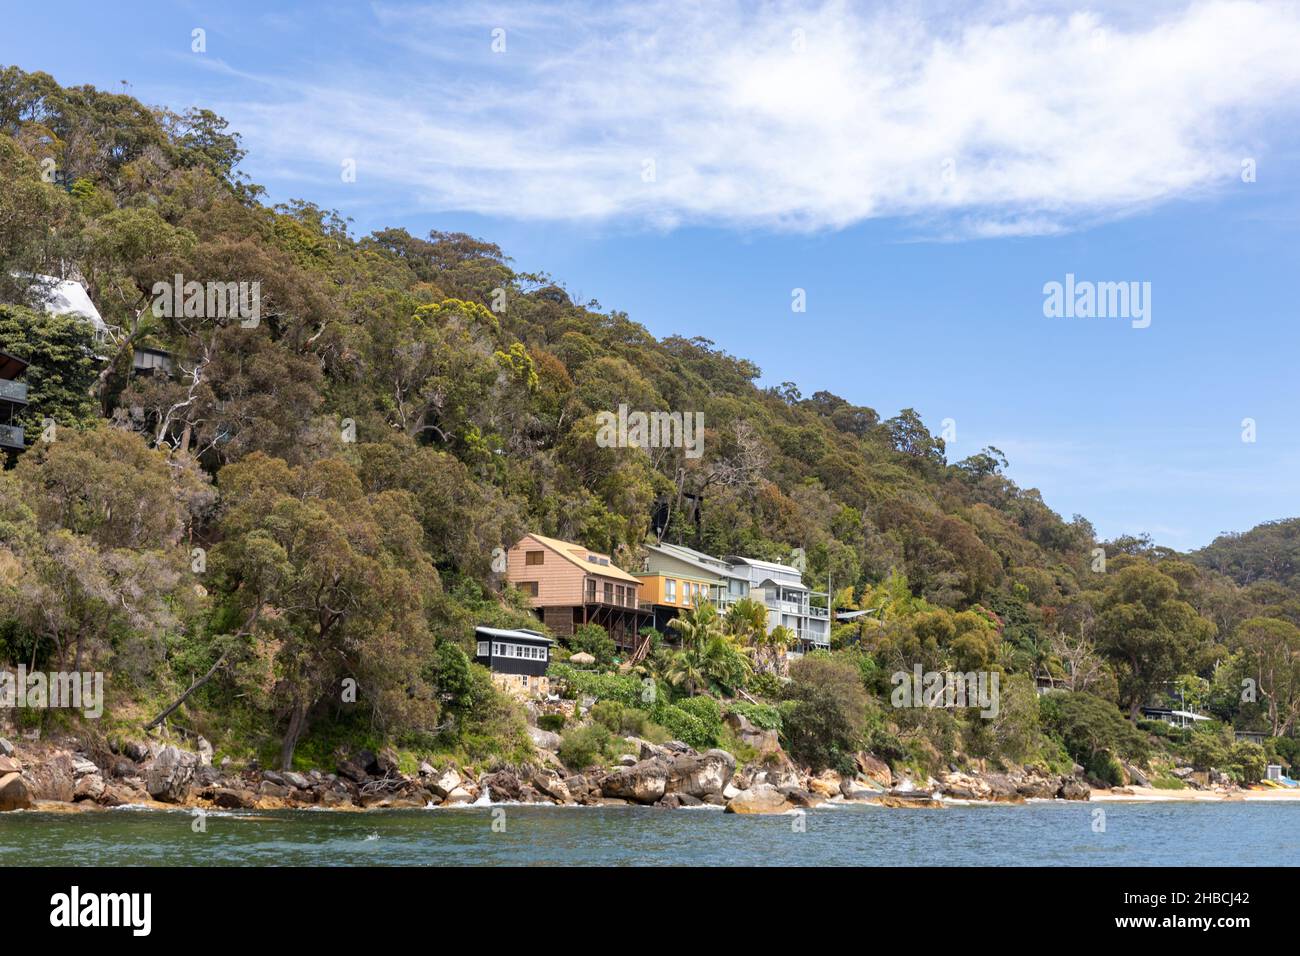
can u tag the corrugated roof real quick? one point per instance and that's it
(521, 634)
(687, 556)
(565, 549)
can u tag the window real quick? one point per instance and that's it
(609, 593)
(482, 648)
(670, 590)
(591, 591)
(686, 591)
(528, 587)
(534, 557)
(496, 650)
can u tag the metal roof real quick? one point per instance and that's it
(520, 634)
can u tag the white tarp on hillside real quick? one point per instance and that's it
(65, 297)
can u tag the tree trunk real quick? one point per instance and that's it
(185, 696)
(297, 724)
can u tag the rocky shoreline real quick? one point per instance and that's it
(151, 773)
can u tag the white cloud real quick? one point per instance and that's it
(1001, 121)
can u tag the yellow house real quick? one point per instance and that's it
(674, 581)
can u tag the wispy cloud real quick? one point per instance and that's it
(984, 121)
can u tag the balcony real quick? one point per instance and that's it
(11, 391)
(11, 436)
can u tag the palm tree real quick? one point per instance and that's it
(708, 654)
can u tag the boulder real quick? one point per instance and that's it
(296, 780)
(445, 782)
(273, 790)
(702, 774)
(136, 751)
(205, 751)
(9, 765)
(544, 739)
(856, 790)
(1072, 788)
(552, 786)
(53, 778)
(803, 799)
(14, 793)
(1039, 788)
(1001, 788)
(121, 794)
(962, 786)
(426, 769)
(502, 785)
(6, 748)
(336, 799)
(764, 741)
(233, 798)
(578, 785)
(828, 784)
(458, 796)
(670, 801)
(875, 769)
(386, 763)
(909, 799)
(628, 760)
(352, 769)
(89, 787)
(763, 798)
(644, 782)
(171, 774)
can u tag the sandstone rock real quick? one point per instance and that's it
(82, 767)
(828, 784)
(205, 752)
(9, 765)
(6, 748)
(1002, 789)
(386, 763)
(670, 801)
(730, 790)
(352, 769)
(231, 798)
(909, 799)
(801, 798)
(628, 760)
(644, 782)
(121, 794)
(458, 796)
(856, 790)
(544, 739)
(335, 799)
(578, 785)
(502, 785)
(1039, 788)
(764, 741)
(274, 790)
(873, 768)
(426, 769)
(700, 775)
(296, 780)
(89, 786)
(445, 782)
(136, 750)
(171, 774)
(14, 793)
(1073, 788)
(763, 798)
(962, 786)
(552, 787)
(52, 778)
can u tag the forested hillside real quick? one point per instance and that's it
(316, 497)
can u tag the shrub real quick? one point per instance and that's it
(609, 713)
(581, 747)
(707, 712)
(1168, 783)
(1089, 726)
(551, 722)
(765, 685)
(824, 725)
(625, 689)
(762, 716)
(684, 726)
(594, 640)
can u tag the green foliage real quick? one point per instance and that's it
(1092, 731)
(762, 716)
(552, 722)
(594, 640)
(620, 688)
(582, 747)
(824, 722)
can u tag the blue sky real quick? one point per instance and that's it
(920, 169)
